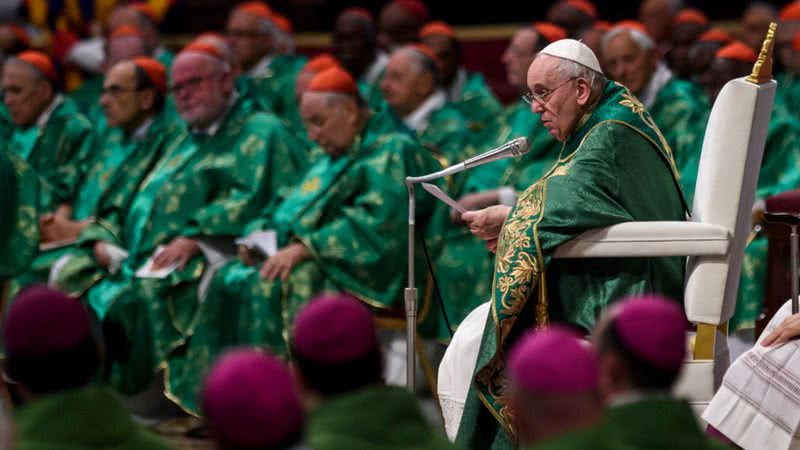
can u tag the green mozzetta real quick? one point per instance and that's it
(88, 418)
(615, 167)
(656, 423)
(375, 417)
(350, 212)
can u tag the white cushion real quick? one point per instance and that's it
(657, 238)
(733, 147)
(458, 366)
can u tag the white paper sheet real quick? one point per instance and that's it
(441, 195)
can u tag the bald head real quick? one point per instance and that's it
(354, 42)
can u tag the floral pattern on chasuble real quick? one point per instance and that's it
(520, 261)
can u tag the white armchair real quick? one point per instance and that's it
(714, 238)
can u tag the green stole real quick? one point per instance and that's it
(520, 263)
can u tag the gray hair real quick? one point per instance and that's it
(423, 62)
(644, 41)
(567, 69)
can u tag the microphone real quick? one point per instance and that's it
(515, 147)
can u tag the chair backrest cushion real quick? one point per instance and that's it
(726, 184)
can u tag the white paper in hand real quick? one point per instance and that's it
(264, 241)
(147, 271)
(441, 195)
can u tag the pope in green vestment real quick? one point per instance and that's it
(119, 167)
(780, 172)
(656, 423)
(614, 167)
(464, 266)
(87, 418)
(19, 226)
(209, 186)
(56, 147)
(350, 212)
(374, 417)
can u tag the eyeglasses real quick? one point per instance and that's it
(541, 97)
(116, 91)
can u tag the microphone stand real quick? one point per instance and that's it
(515, 147)
(410, 295)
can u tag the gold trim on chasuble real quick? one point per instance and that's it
(515, 287)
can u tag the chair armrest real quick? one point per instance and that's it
(641, 239)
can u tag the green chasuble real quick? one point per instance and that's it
(374, 418)
(209, 186)
(118, 167)
(88, 94)
(656, 423)
(681, 110)
(475, 101)
(615, 167)
(464, 267)
(351, 213)
(19, 224)
(88, 418)
(274, 83)
(596, 438)
(57, 150)
(780, 172)
(788, 95)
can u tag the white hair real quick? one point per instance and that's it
(566, 69)
(644, 41)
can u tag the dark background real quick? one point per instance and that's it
(191, 16)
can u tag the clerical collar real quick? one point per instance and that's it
(261, 67)
(660, 78)
(140, 133)
(212, 129)
(635, 396)
(373, 72)
(44, 117)
(419, 119)
(457, 88)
